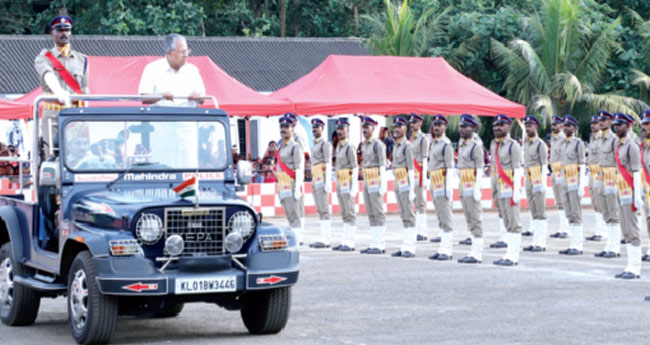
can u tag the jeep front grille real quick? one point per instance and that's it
(203, 229)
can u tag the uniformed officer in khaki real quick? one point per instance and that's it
(506, 156)
(442, 176)
(470, 168)
(594, 180)
(321, 180)
(628, 162)
(403, 171)
(645, 176)
(608, 188)
(557, 140)
(347, 172)
(536, 166)
(420, 145)
(299, 141)
(51, 80)
(573, 186)
(494, 188)
(374, 185)
(290, 171)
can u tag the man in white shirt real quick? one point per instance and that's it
(172, 78)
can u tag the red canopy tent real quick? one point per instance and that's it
(13, 110)
(392, 85)
(121, 76)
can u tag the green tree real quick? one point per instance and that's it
(558, 67)
(641, 78)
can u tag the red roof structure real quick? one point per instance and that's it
(391, 85)
(13, 110)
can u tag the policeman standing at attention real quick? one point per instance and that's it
(645, 167)
(536, 164)
(374, 185)
(347, 172)
(404, 187)
(506, 154)
(573, 186)
(594, 182)
(321, 177)
(442, 173)
(420, 145)
(628, 163)
(557, 142)
(608, 188)
(290, 171)
(62, 72)
(298, 140)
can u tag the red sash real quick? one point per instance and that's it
(645, 171)
(284, 167)
(626, 174)
(63, 73)
(418, 167)
(503, 175)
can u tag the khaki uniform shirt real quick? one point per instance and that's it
(76, 63)
(403, 154)
(607, 149)
(573, 151)
(420, 145)
(646, 164)
(535, 153)
(509, 154)
(291, 154)
(593, 149)
(441, 154)
(321, 152)
(374, 153)
(629, 154)
(470, 154)
(556, 147)
(346, 156)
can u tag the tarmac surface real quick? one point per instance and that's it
(348, 298)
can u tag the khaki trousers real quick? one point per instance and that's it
(374, 208)
(536, 202)
(321, 199)
(572, 206)
(420, 198)
(608, 206)
(405, 209)
(630, 225)
(49, 117)
(510, 215)
(290, 206)
(442, 207)
(593, 193)
(346, 203)
(473, 215)
(557, 193)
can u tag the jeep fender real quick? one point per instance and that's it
(13, 226)
(96, 243)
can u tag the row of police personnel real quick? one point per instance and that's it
(614, 178)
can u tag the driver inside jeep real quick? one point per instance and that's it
(78, 153)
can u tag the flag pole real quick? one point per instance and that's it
(197, 189)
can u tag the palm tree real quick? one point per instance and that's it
(641, 78)
(558, 67)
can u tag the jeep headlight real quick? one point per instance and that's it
(243, 223)
(149, 228)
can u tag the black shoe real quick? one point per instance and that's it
(600, 254)
(596, 238)
(645, 257)
(319, 245)
(538, 249)
(627, 275)
(560, 235)
(444, 257)
(397, 253)
(647, 299)
(505, 262)
(372, 251)
(407, 254)
(570, 251)
(436, 239)
(337, 247)
(499, 244)
(469, 260)
(467, 241)
(528, 249)
(434, 256)
(364, 251)
(527, 233)
(421, 238)
(623, 242)
(345, 248)
(610, 255)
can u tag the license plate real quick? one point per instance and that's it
(205, 285)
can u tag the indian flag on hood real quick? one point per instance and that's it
(189, 187)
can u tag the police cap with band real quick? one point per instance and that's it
(570, 120)
(620, 118)
(557, 119)
(604, 115)
(342, 122)
(287, 121)
(368, 121)
(416, 118)
(531, 119)
(499, 119)
(595, 119)
(400, 121)
(60, 22)
(468, 120)
(317, 122)
(646, 116)
(439, 119)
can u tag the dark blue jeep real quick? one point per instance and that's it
(104, 226)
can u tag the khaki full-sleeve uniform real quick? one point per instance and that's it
(573, 155)
(535, 160)
(645, 155)
(402, 163)
(556, 166)
(346, 160)
(607, 170)
(592, 161)
(321, 155)
(374, 156)
(509, 155)
(630, 158)
(441, 161)
(292, 155)
(420, 145)
(470, 159)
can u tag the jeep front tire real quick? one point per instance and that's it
(18, 303)
(266, 311)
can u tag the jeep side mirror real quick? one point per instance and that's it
(49, 174)
(244, 172)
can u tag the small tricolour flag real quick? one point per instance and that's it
(189, 187)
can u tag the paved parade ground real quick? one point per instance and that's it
(348, 298)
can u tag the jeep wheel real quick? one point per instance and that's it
(18, 303)
(266, 311)
(92, 315)
(170, 311)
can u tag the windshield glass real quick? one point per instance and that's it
(168, 145)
